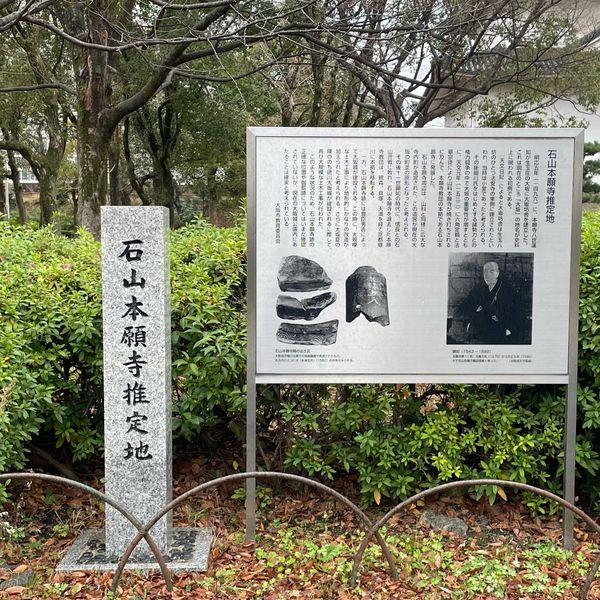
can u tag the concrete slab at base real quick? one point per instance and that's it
(189, 551)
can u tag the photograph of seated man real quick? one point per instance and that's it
(494, 310)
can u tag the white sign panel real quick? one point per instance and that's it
(397, 255)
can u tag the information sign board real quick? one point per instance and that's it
(414, 256)
(407, 256)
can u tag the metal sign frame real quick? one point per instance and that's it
(569, 378)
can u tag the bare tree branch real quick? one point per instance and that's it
(118, 112)
(32, 157)
(208, 4)
(40, 86)
(29, 8)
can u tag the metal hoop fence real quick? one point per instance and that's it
(372, 529)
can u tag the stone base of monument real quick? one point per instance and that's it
(189, 551)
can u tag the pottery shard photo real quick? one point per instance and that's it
(320, 334)
(308, 309)
(299, 274)
(366, 293)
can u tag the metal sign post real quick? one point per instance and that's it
(452, 255)
(251, 344)
(570, 434)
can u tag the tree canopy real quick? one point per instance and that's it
(133, 77)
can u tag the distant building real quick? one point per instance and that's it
(29, 182)
(560, 112)
(27, 177)
(563, 112)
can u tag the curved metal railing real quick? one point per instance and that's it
(101, 496)
(372, 529)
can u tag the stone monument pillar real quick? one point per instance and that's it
(136, 317)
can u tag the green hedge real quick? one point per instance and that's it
(51, 346)
(50, 343)
(394, 439)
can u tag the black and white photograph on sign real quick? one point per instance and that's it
(490, 298)
(313, 334)
(366, 293)
(301, 274)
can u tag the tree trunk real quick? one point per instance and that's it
(17, 188)
(94, 89)
(136, 185)
(47, 190)
(75, 200)
(317, 64)
(164, 189)
(113, 170)
(93, 169)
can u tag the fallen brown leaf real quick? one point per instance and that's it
(15, 589)
(20, 569)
